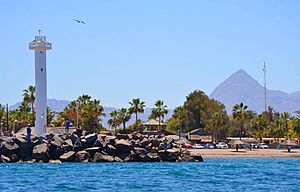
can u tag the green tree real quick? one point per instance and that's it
(180, 114)
(124, 116)
(90, 112)
(114, 121)
(259, 124)
(50, 116)
(136, 106)
(219, 122)
(159, 111)
(29, 98)
(239, 114)
(195, 106)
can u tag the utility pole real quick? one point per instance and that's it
(7, 117)
(265, 84)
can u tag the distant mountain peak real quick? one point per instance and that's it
(242, 87)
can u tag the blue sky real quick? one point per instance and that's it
(148, 49)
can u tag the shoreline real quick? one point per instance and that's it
(246, 153)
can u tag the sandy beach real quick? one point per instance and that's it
(246, 153)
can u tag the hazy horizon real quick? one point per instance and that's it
(151, 50)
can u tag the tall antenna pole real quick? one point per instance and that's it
(265, 84)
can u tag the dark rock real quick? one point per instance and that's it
(93, 150)
(198, 158)
(144, 142)
(77, 145)
(123, 145)
(82, 156)
(73, 138)
(57, 141)
(110, 140)
(101, 157)
(10, 145)
(122, 136)
(100, 142)
(19, 140)
(40, 152)
(14, 158)
(90, 140)
(55, 152)
(25, 151)
(110, 149)
(153, 157)
(140, 151)
(68, 157)
(167, 156)
(187, 158)
(155, 142)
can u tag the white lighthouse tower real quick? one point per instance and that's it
(40, 46)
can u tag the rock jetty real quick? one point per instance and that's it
(93, 148)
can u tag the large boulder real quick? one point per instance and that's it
(68, 157)
(170, 156)
(155, 142)
(111, 150)
(101, 157)
(197, 158)
(57, 141)
(153, 157)
(122, 136)
(41, 152)
(90, 140)
(123, 145)
(100, 142)
(55, 152)
(10, 145)
(25, 151)
(82, 156)
(110, 140)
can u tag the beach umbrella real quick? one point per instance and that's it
(236, 142)
(289, 143)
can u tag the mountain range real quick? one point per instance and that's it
(241, 87)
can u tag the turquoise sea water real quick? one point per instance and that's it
(211, 175)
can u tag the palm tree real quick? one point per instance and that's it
(136, 106)
(285, 117)
(123, 116)
(114, 121)
(219, 122)
(29, 98)
(84, 99)
(159, 111)
(239, 113)
(180, 114)
(2, 113)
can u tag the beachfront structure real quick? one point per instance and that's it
(153, 124)
(40, 46)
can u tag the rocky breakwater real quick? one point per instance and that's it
(94, 148)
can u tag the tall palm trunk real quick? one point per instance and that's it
(159, 124)
(136, 121)
(124, 125)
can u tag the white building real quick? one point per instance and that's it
(40, 46)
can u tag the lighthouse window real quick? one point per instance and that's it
(41, 52)
(41, 69)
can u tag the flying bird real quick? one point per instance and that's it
(78, 21)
